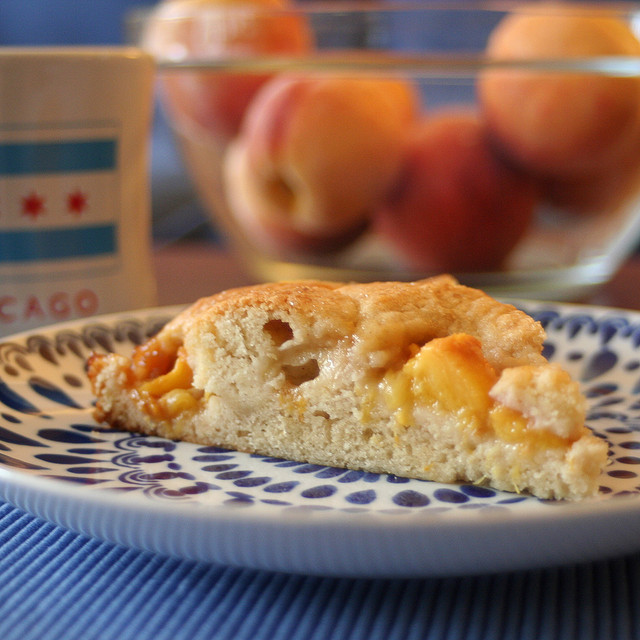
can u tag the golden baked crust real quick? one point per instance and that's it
(429, 379)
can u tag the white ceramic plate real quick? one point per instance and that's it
(210, 504)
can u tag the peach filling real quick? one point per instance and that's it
(452, 376)
(163, 380)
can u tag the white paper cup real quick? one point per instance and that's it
(74, 187)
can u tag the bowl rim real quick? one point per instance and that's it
(431, 59)
(182, 9)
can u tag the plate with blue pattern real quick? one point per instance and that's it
(215, 505)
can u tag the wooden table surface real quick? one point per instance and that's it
(187, 271)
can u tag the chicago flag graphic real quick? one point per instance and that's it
(59, 221)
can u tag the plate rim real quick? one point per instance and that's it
(18, 487)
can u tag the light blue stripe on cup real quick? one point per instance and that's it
(26, 158)
(57, 244)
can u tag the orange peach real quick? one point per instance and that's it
(561, 123)
(218, 31)
(315, 155)
(456, 206)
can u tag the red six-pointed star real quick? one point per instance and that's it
(33, 205)
(77, 202)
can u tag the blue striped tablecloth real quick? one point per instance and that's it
(55, 584)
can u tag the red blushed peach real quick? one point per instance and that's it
(456, 206)
(603, 192)
(561, 123)
(215, 31)
(314, 157)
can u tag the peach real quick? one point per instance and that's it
(315, 155)
(456, 206)
(601, 192)
(561, 123)
(215, 31)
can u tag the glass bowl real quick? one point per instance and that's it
(366, 141)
